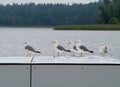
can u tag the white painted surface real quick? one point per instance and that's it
(15, 59)
(61, 59)
(76, 60)
(14, 76)
(60, 75)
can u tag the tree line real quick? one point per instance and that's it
(110, 12)
(49, 14)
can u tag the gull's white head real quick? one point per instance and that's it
(77, 42)
(102, 44)
(70, 42)
(26, 43)
(54, 42)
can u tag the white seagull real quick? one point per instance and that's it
(58, 48)
(72, 47)
(29, 48)
(81, 48)
(103, 49)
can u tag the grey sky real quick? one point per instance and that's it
(46, 1)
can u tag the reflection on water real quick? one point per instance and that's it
(11, 40)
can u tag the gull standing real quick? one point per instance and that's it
(103, 49)
(81, 48)
(72, 48)
(58, 48)
(30, 49)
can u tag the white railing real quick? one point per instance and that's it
(46, 71)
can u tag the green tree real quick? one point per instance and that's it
(49, 14)
(114, 21)
(110, 11)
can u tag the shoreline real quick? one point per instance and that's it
(26, 26)
(104, 27)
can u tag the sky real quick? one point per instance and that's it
(45, 1)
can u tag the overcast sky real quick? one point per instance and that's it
(46, 1)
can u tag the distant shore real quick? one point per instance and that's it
(89, 27)
(29, 26)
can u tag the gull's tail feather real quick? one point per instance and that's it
(67, 50)
(37, 51)
(91, 51)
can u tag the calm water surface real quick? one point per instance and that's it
(11, 40)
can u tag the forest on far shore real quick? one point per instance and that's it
(49, 14)
(31, 14)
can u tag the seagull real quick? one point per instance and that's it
(72, 47)
(81, 48)
(29, 48)
(58, 48)
(103, 49)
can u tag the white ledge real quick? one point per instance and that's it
(76, 60)
(61, 59)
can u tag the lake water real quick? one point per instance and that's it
(11, 40)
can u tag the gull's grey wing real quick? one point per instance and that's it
(30, 48)
(105, 50)
(75, 48)
(60, 48)
(84, 48)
